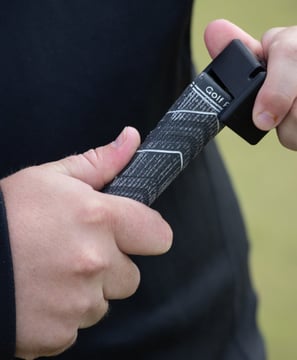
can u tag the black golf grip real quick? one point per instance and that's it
(178, 137)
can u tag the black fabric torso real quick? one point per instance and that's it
(73, 74)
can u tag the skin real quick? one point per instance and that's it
(276, 104)
(70, 242)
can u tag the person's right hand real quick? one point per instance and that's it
(276, 102)
(70, 244)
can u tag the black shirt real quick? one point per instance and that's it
(73, 74)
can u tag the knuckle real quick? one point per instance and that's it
(83, 306)
(91, 308)
(283, 43)
(93, 157)
(287, 46)
(97, 312)
(90, 263)
(96, 213)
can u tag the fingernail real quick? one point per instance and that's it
(119, 141)
(265, 120)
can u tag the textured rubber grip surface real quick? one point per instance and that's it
(179, 136)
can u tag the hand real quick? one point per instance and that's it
(70, 243)
(276, 103)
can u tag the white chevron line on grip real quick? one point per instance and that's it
(191, 112)
(175, 152)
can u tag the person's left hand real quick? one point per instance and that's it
(276, 103)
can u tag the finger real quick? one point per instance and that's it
(287, 129)
(138, 229)
(98, 309)
(278, 93)
(219, 33)
(122, 280)
(99, 166)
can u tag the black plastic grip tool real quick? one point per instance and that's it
(222, 94)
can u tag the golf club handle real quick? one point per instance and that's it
(178, 137)
(223, 94)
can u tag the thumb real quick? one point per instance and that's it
(219, 33)
(99, 166)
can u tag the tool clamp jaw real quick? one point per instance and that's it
(238, 72)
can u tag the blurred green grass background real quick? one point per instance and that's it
(265, 178)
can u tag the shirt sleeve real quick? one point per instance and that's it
(7, 293)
